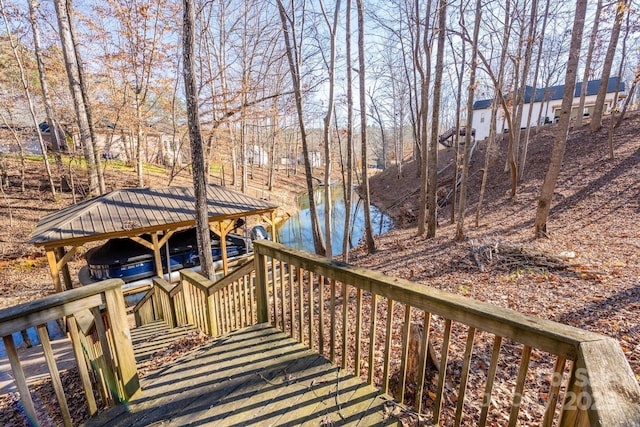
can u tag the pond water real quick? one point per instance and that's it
(296, 231)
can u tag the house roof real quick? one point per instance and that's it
(135, 211)
(556, 92)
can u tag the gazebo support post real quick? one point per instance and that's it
(53, 269)
(66, 275)
(156, 253)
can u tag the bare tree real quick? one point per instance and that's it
(598, 108)
(326, 137)
(348, 188)
(587, 63)
(557, 154)
(56, 137)
(294, 57)
(424, 70)
(534, 89)
(197, 144)
(71, 65)
(432, 182)
(84, 91)
(462, 205)
(27, 95)
(368, 230)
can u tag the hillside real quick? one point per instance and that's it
(595, 217)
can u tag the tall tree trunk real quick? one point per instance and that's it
(456, 146)
(432, 182)
(527, 135)
(557, 154)
(462, 205)
(587, 63)
(333, 29)
(56, 141)
(423, 115)
(598, 109)
(531, 36)
(71, 65)
(288, 30)
(348, 190)
(27, 94)
(197, 143)
(85, 96)
(613, 123)
(368, 230)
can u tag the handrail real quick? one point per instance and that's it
(108, 350)
(52, 307)
(601, 389)
(530, 330)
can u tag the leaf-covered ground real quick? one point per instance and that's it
(594, 224)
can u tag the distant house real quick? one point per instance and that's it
(546, 100)
(257, 155)
(315, 159)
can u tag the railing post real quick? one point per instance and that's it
(262, 300)
(126, 362)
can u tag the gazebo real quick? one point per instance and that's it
(133, 212)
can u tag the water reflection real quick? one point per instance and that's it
(296, 231)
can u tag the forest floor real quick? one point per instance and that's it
(594, 221)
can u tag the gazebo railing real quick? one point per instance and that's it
(98, 328)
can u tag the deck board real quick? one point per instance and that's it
(255, 376)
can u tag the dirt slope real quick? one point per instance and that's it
(595, 216)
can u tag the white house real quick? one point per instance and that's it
(546, 106)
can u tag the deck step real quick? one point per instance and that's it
(151, 338)
(254, 376)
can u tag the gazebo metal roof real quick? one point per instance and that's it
(134, 211)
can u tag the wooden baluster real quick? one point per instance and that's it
(109, 371)
(554, 392)
(372, 337)
(245, 300)
(262, 298)
(442, 372)
(310, 307)
(276, 317)
(72, 327)
(321, 314)
(242, 303)
(291, 303)
(43, 334)
(332, 338)
(121, 336)
(520, 382)
(491, 375)
(345, 317)
(282, 297)
(358, 342)
(405, 351)
(300, 305)
(387, 346)
(251, 285)
(19, 378)
(464, 375)
(422, 365)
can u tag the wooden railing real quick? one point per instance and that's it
(215, 308)
(97, 325)
(443, 356)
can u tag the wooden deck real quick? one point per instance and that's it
(254, 376)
